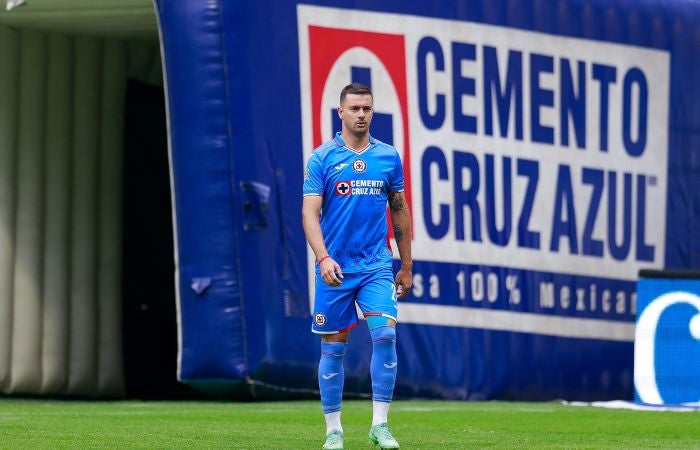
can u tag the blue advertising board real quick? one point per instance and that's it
(666, 350)
(549, 153)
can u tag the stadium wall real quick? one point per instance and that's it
(551, 151)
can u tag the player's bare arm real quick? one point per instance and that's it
(311, 220)
(401, 224)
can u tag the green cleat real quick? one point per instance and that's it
(380, 435)
(334, 440)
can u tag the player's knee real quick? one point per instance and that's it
(333, 349)
(338, 337)
(384, 333)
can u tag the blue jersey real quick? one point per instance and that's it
(355, 186)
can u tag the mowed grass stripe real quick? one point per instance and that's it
(299, 425)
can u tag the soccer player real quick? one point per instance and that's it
(347, 184)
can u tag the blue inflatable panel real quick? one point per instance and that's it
(210, 304)
(551, 151)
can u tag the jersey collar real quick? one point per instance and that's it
(340, 143)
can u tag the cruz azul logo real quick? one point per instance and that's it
(343, 188)
(536, 164)
(339, 56)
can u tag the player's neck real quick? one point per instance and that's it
(354, 141)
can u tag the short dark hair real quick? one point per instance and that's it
(355, 88)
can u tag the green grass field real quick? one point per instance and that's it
(299, 425)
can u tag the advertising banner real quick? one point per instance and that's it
(666, 352)
(531, 165)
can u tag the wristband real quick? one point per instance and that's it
(321, 260)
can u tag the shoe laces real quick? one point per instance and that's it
(334, 437)
(382, 431)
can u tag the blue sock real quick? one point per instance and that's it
(331, 375)
(383, 365)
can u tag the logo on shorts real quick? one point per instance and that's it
(320, 319)
(342, 188)
(359, 165)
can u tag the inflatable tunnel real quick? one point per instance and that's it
(65, 71)
(551, 152)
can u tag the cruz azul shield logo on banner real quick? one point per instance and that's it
(337, 57)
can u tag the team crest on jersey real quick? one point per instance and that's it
(359, 165)
(342, 188)
(320, 319)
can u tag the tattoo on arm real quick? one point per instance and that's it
(397, 202)
(398, 233)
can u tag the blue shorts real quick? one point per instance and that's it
(334, 306)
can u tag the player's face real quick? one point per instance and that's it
(356, 113)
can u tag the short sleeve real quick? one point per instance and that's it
(313, 176)
(396, 184)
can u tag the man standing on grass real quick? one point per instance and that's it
(347, 183)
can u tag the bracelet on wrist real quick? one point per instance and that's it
(321, 260)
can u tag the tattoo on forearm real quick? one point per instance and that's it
(398, 233)
(397, 202)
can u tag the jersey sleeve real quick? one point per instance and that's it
(313, 176)
(396, 184)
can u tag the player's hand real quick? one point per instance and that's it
(331, 272)
(404, 281)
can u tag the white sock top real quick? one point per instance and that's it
(333, 422)
(380, 411)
